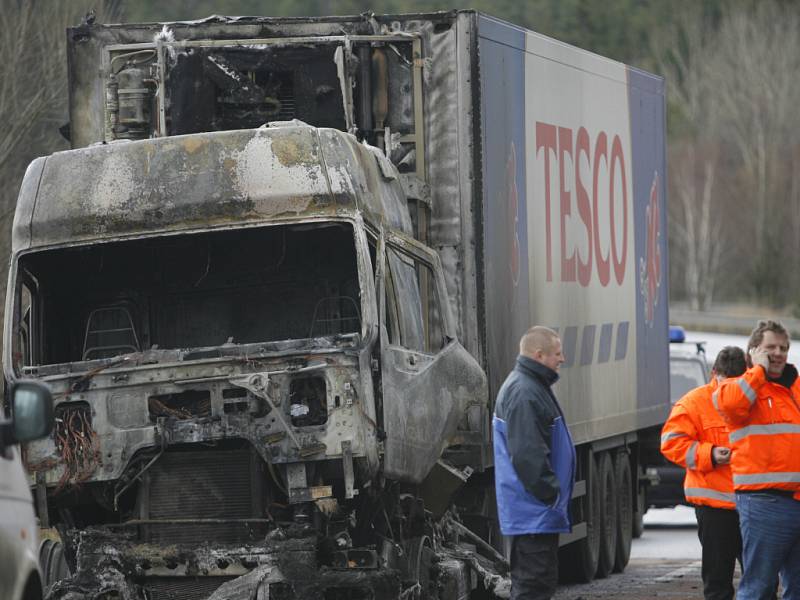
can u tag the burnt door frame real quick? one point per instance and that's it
(426, 392)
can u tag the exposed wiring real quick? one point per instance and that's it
(78, 445)
(151, 55)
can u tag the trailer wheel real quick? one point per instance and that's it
(578, 561)
(608, 516)
(622, 468)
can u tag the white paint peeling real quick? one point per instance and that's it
(115, 184)
(263, 178)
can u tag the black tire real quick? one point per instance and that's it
(608, 516)
(622, 473)
(52, 562)
(638, 514)
(33, 588)
(578, 560)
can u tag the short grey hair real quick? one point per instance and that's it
(536, 338)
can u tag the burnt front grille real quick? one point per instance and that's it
(182, 588)
(210, 484)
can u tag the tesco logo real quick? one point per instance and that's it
(594, 172)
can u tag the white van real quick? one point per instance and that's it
(32, 418)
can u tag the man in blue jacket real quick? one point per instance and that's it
(534, 462)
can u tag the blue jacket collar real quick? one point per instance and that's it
(536, 369)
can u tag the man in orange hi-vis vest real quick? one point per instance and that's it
(696, 437)
(763, 415)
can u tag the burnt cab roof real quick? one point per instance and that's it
(204, 180)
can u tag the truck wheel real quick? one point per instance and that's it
(622, 472)
(578, 560)
(608, 516)
(52, 562)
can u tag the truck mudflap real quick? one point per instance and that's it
(288, 564)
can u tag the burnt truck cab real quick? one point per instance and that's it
(238, 328)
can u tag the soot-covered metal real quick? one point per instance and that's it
(254, 358)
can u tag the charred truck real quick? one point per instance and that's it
(278, 280)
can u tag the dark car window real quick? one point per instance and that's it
(684, 375)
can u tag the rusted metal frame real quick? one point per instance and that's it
(419, 123)
(258, 385)
(256, 484)
(207, 362)
(347, 466)
(351, 216)
(421, 172)
(346, 41)
(41, 501)
(194, 380)
(136, 478)
(427, 256)
(288, 41)
(369, 314)
(24, 278)
(161, 96)
(137, 522)
(380, 277)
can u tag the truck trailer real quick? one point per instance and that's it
(279, 278)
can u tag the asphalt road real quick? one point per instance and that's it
(665, 563)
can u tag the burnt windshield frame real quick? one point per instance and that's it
(62, 284)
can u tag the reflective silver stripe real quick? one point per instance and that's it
(691, 456)
(709, 493)
(747, 390)
(714, 400)
(776, 477)
(670, 435)
(774, 428)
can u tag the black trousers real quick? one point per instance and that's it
(718, 530)
(534, 566)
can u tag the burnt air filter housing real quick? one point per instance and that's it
(224, 88)
(203, 484)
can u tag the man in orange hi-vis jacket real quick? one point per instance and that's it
(696, 437)
(763, 415)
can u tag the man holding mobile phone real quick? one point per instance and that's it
(763, 415)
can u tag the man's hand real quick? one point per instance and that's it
(721, 455)
(759, 357)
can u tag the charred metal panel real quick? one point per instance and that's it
(423, 404)
(429, 380)
(202, 485)
(86, 45)
(242, 87)
(126, 433)
(181, 182)
(451, 79)
(448, 108)
(21, 229)
(209, 180)
(363, 171)
(182, 588)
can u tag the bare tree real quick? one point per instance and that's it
(759, 55)
(33, 76)
(33, 84)
(734, 152)
(687, 61)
